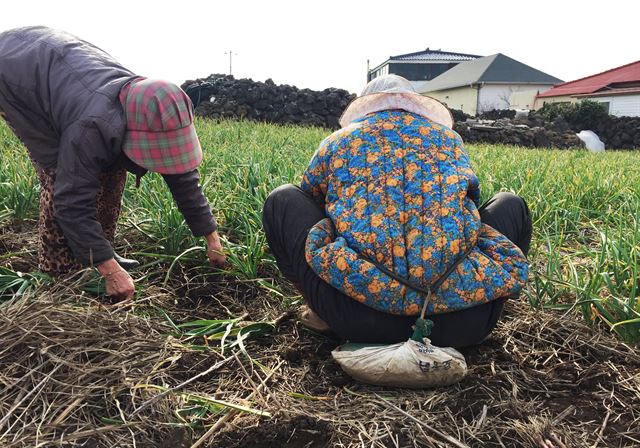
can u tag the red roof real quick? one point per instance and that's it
(612, 92)
(593, 83)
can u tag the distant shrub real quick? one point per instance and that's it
(588, 114)
(585, 114)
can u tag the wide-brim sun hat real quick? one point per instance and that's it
(160, 134)
(391, 92)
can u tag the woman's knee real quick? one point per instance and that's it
(509, 214)
(277, 198)
(281, 194)
(516, 207)
(511, 202)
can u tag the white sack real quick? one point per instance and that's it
(522, 113)
(407, 364)
(591, 141)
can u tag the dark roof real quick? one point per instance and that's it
(434, 55)
(429, 55)
(623, 74)
(494, 69)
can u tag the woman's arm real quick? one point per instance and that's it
(81, 155)
(187, 192)
(473, 189)
(75, 190)
(314, 179)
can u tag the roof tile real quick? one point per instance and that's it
(434, 55)
(593, 83)
(494, 69)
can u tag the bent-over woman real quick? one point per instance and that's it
(86, 121)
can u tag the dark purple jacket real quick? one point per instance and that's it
(60, 95)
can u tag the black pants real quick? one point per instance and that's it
(288, 215)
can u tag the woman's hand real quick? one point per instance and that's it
(119, 283)
(215, 252)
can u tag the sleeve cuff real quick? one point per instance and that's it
(204, 228)
(97, 256)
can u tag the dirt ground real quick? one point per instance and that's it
(78, 371)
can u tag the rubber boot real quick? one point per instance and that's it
(126, 263)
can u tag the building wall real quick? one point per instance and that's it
(621, 105)
(413, 71)
(384, 70)
(522, 100)
(554, 99)
(491, 96)
(462, 98)
(498, 96)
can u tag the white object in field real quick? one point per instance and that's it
(591, 141)
(409, 364)
(522, 113)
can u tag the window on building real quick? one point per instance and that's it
(607, 106)
(418, 71)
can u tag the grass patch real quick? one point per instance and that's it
(586, 212)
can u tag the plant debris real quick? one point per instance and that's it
(76, 372)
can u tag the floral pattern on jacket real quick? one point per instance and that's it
(399, 189)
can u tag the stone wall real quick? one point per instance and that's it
(520, 132)
(223, 96)
(619, 132)
(534, 131)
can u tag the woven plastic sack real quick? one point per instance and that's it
(410, 364)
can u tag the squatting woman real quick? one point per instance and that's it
(389, 208)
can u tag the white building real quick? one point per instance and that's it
(420, 66)
(618, 89)
(488, 83)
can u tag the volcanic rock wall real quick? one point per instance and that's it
(534, 131)
(223, 96)
(508, 135)
(619, 132)
(527, 131)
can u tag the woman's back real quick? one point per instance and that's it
(400, 191)
(50, 80)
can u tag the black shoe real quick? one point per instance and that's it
(126, 263)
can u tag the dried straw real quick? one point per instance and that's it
(74, 372)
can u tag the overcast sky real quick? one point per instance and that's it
(319, 44)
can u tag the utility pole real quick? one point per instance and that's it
(231, 54)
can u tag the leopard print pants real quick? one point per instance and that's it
(54, 256)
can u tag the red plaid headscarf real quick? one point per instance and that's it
(160, 134)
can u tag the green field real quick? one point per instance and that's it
(586, 210)
(205, 358)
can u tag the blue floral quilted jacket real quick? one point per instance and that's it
(399, 189)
